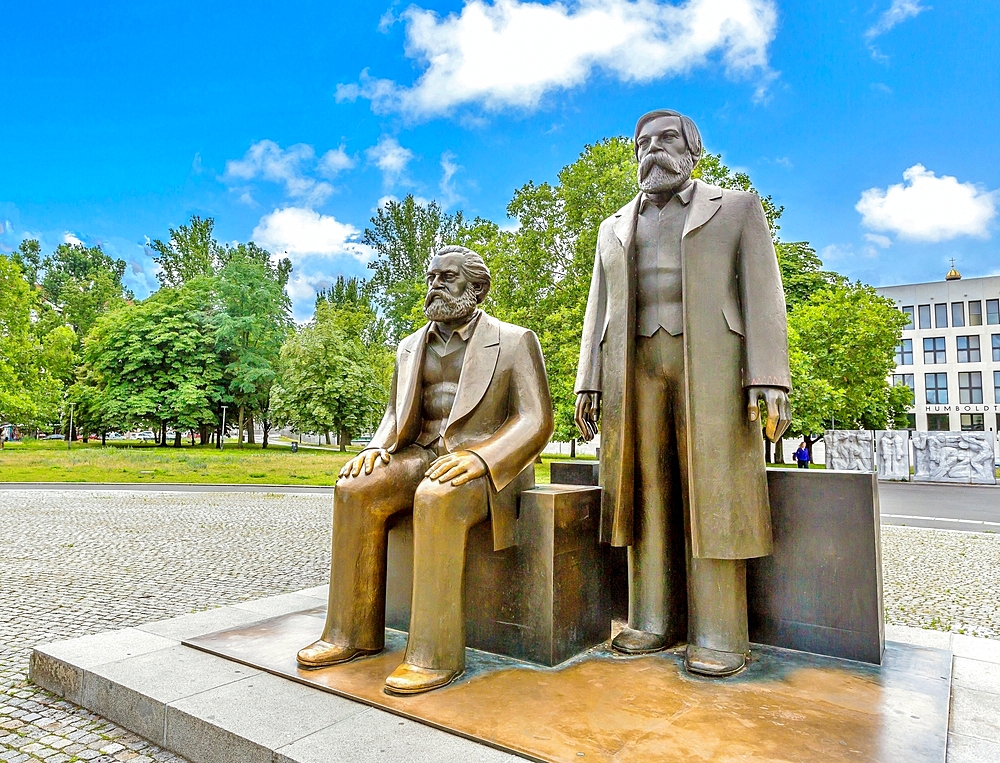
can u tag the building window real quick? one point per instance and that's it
(911, 420)
(941, 315)
(976, 313)
(904, 353)
(958, 314)
(908, 312)
(936, 386)
(993, 311)
(970, 387)
(934, 350)
(938, 422)
(996, 387)
(924, 314)
(906, 379)
(996, 347)
(973, 422)
(968, 349)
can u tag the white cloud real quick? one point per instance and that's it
(72, 238)
(883, 242)
(297, 232)
(334, 162)
(510, 53)
(269, 161)
(391, 158)
(449, 195)
(898, 12)
(926, 207)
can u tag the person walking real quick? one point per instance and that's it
(802, 456)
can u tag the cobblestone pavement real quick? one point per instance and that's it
(74, 563)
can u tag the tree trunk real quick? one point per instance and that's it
(104, 438)
(327, 438)
(810, 441)
(779, 451)
(572, 448)
(343, 436)
(177, 438)
(251, 436)
(266, 425)
(767, 447)
(239, 438)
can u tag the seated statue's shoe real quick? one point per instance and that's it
(321, 654)
(413, 679)
(712, 662)
(631, 641)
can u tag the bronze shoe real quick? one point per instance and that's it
(712, 662)
(321, 654)
(631, 641)
(413, 679)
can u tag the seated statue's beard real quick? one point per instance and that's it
(441, 306)
(662, 173)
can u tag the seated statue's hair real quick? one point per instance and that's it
(474, 268)
(688, 129)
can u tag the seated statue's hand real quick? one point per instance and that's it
(365, 460)
(459, 467)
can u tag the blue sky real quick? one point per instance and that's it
(874, 124)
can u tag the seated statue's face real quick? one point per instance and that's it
(451, 297)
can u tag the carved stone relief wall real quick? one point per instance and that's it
(850, 450)
(954, 457)
(892, 451)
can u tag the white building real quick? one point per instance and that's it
(950, 353)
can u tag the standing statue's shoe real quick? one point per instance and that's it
(413, 679)
(321, 654)
(631, 641)
(712, 662)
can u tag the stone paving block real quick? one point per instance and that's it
(60, 666)
(321, 592)
(976, 674)
(273, 606)
(918, 636)
(975, 713)
(966, 749)
(244, 721)
(375, 736)
(985, 649)
(210, 620)
(135, 692)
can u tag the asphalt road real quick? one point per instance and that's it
(945, 507)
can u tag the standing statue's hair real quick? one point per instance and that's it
(474, 268)
(688, 129)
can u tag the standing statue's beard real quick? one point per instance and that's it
(441, 306)
(659, 172)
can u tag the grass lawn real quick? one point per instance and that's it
(50, 461)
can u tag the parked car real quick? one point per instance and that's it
(55, 436)
(146, 436)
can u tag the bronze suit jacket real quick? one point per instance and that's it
(502, 410)
(735, 336)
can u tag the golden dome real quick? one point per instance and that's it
(953, 275)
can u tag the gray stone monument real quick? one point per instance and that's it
(850, 450)
(964, 457)
(892, 449)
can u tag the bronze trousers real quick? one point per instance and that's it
(363, 507)
(670, 592)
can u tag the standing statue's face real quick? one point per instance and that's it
(665, 163)
(451, 297)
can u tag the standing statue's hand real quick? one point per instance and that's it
(458, 468)
(779, 409)
(588, 413)
(365, 460)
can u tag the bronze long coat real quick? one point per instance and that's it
(502, 410)
(735, 336)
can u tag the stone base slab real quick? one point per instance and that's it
(787, 706)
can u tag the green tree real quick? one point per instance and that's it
(335, 371)
(190, 252)
(82, 282)
(19, 375)
(802, 273)
(155, 362)
(252, 321)
(842, 341)
(28, 256)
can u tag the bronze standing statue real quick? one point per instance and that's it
(469, 411)
(684, 333)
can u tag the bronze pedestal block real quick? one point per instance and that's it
(575, 472)
(821, 589)
(543, 600)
